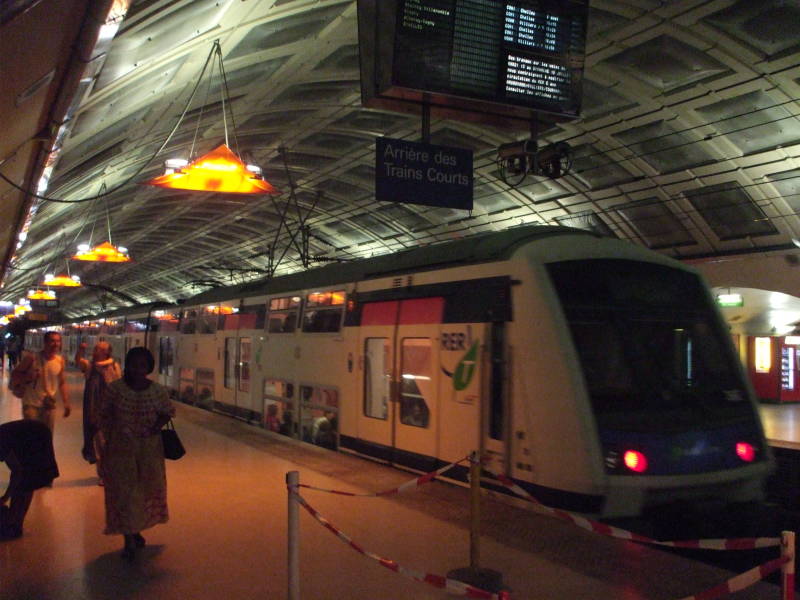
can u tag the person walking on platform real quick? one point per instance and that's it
(13, 348)
(99, 372)
(132, 412)
(41, 376)
(27, 448)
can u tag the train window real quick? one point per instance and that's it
(377, 377)
(650, 354)
(415, 385)
(166, 321)
(189, 321)
(323, 312)
(205, 388)
(230, 363)
(279, 408)
(186, 392)
(283, 314)
(135, 325)
(252, 317)
(208, 320)
(326, 298)
(319, 415)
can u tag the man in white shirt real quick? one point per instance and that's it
(43, 375)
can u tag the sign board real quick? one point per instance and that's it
(416, 173)
(511, 58)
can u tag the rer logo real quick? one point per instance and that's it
(465, 369)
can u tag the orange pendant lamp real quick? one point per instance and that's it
(62, 280)
(105, 252)
(218, 171)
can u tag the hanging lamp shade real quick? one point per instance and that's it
(218, 171)
(41, 295)
(105, 252)
(62, 280)
(21, 309)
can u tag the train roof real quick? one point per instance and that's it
(483, 247)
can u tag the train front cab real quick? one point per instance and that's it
(647, 403)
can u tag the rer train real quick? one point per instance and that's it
(595, 372)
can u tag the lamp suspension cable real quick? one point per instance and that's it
(144, 165)
(226, 93)
(108, 222)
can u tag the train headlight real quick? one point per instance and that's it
(635, 461)
(745, 451)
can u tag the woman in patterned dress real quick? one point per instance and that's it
(133, 411)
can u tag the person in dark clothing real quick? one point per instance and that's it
(26, 446)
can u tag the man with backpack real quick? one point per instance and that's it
(38, 378)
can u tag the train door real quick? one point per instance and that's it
(496, 361)
(399, 417)
(238, 356)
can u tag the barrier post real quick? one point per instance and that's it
(292, 480)
(787, 570)
(485, 579)
(475, 511)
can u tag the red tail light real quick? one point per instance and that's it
(745, 451)
(635, 461)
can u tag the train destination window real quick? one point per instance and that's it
(416, 382)
(377, 377)
(283, 314)
(323, 311)
(279, 409)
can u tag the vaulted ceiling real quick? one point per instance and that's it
(688, 142)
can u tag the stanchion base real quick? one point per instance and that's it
(484, 579)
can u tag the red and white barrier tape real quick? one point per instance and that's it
(451, 585)
(414, 483)
(622, 534)
(740, 582)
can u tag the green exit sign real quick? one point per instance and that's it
(730, 300)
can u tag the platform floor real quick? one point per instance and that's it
(781, 424)
(227, 534)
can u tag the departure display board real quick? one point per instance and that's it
(525, 53)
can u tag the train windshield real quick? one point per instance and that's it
(651, 348)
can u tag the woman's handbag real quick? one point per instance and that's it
(173, 448)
